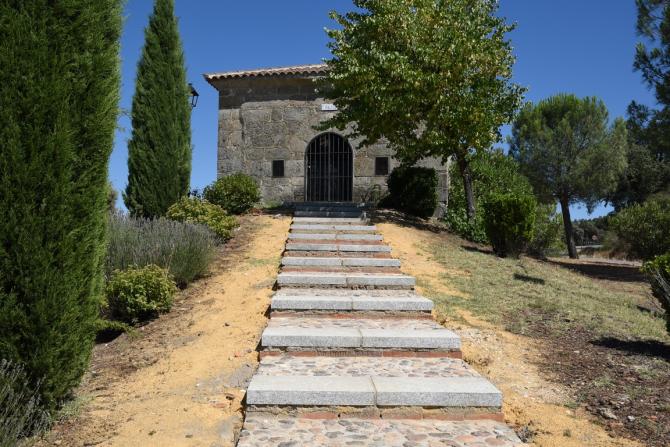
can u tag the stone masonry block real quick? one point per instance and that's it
(437, 392)
(310, 390)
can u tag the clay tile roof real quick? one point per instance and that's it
(313, 69)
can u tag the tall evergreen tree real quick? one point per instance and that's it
(59, 86)
(159, 151)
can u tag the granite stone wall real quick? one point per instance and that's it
(262, 119)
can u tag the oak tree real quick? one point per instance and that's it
(431, 77)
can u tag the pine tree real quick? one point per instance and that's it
(59, 86)
(159, 152)
(569, 152)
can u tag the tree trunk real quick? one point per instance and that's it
(464, 168)
(567, 224)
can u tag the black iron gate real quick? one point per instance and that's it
(329, 169)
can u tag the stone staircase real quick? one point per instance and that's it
(352, 356)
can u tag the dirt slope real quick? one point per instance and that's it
(180, 381)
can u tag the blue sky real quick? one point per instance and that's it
(584, 47)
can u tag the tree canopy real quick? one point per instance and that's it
(431, 77)
(653, 58)
(648, 169)
(159, 151)
(647, 172)
(569, 152)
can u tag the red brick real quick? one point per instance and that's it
(319, 415)
(498, 417)
(403, 413)
(363, 413)
(445, 417)
(302, 353)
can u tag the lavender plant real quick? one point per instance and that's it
(184, 249)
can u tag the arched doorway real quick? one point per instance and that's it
(329, 169)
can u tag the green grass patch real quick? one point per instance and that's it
(517, 294)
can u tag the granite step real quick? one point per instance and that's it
(264, 430)
(319, 391)
(330, 220)
(314, 261)
(327, 203)
(362, 334)
(317, 213)
(335, 236)
(370, 301)
(338, 279)
(337, 246)
(348, 270)
(371, 381)
(322, 227)
(337, 254)
(315, 208)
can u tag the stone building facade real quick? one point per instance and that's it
(267, 122)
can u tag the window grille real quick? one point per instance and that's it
(278, 168)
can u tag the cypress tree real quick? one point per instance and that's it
(59, 86)
(159, 151)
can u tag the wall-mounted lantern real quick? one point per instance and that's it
(194, 95)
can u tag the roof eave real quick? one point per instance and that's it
(292, 71)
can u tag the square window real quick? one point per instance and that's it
(277, 168)
(381, 166)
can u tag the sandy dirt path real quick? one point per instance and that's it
(180, 382)
(506, 359)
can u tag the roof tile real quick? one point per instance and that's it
(313, 69)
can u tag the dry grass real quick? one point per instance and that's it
(593, 359)
(519, 293)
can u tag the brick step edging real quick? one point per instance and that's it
(342, 287)
(355, 314)
(381, 412)
(337, 254)
(455, 354)
(377, 270)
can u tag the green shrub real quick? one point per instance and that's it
(547, 232)
(644, 228)
(616, 247)
(457, 220)
(140, 293)
(658, 272)
(106, 326)
(492, 172)
(509, 219)
(586, 231)
(235, 193)
(198, 211)
(185, 249)
(413, 190)
(20, 410)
